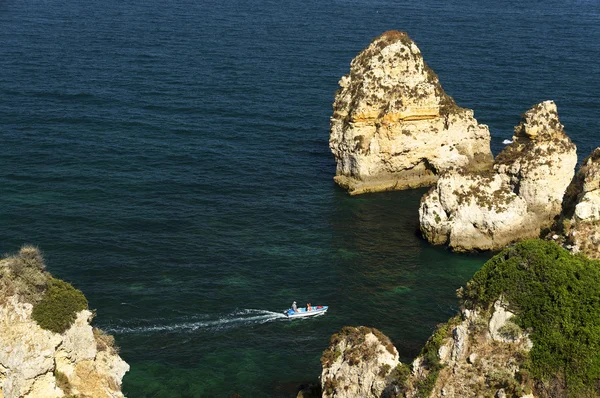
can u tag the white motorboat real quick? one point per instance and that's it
(303, 313)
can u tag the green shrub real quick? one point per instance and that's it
(400, 375)
(431, 357)
(384, 370)
(58, 308)
(556, 296)
(330, 386)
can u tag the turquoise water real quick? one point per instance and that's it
(171, 160)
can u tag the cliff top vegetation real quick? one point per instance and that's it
(55, 302)
(556, 298)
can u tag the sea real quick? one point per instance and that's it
(171, 160)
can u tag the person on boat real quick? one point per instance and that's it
(308, 307)
(294, 307)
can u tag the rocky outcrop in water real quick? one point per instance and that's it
(358, 363)
(476, 353)
(35, 362)
(529, 326)
(515, 199)
(580, 224)
(394, 127)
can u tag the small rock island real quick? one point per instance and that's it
(515, 199)
(394, 127)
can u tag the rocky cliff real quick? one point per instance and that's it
(48, 349)
(529, 327)
(515, 199)
(358, 363)
(476, 354)
(394, 127)
(580, 224)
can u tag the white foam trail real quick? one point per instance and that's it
(506, 142)
(238, 318)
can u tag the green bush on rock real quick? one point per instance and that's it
(556, 297)
(59, 305)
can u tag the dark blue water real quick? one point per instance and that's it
(171, 160)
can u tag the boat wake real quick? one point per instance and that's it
(235, 319)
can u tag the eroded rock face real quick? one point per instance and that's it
(31, 357)
(519, 196)
(358, 363)
(394, 127)
(581, 222)
(488, 355)
(476, 353)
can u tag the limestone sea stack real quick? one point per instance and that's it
(394, 127)
(48, 349)
(581, 219)
(515, 199)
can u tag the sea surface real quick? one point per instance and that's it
(171, 160)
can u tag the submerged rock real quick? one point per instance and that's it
(514, 200)
(394, 127)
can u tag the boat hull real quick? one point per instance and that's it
(302, 313)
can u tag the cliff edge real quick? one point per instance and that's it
(48, 348)
(579, 227)
(393, 126)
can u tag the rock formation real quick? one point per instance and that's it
(528, 327)
(394, 127)
(580, 223)
(479, 355)
(35, 362)
(358, 363)
(476, 354)
(515, 199)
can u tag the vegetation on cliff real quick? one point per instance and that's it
(58, 308)
(24, 275)
(547, 344)
(55, 302)
(556, 298)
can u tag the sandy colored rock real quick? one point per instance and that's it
(515, 199)
(580, 222)
(394, 127)
(500, 317)
(479, 361)
(30, 355)
(358, 363)
(470, 362)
